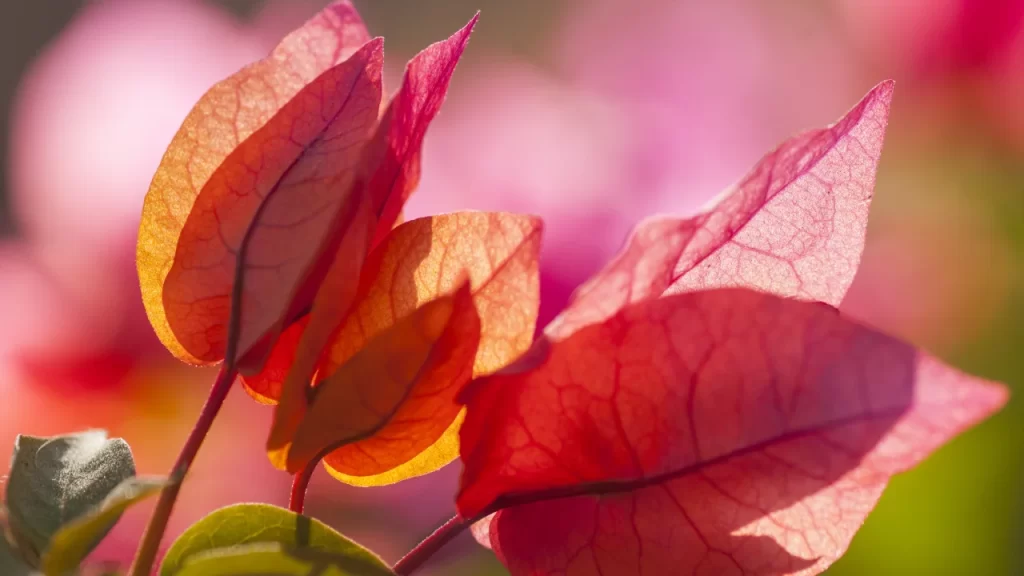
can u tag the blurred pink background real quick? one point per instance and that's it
(590, 113)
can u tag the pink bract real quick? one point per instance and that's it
(672, 420)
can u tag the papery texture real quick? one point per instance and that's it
(271, 209)
(424, 258)
(794, 226)
(387, 175)
(265, 387)
(396, 396)
(724, 431)
(417, 263)
(226, 116)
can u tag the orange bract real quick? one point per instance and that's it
(388, 166)
(265, 387)
(256, 230)
(396, 397)
(385, 178)
(388, 174)
(424, 258)
(226, 116)
(417, 263)
(269, 212)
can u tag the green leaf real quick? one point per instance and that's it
(76, 539)
(55, 480)
(262, 523)
(275, 559)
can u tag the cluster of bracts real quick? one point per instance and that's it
(699, 407)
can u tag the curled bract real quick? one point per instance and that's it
(412, 411)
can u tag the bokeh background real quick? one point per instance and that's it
(591, 113)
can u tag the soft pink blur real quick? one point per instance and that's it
(936, 270)
(935, 37)
(655, 108)
(974, 47)
(1007, 92)
(651, 110)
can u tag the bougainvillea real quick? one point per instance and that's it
(700, 407)
(280, 227)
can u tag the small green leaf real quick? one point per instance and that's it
(75, 540)
(55, 480)
(275, 559)
(262, 523)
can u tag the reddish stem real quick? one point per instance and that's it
(299, 486)
(150, 544)
(428, 547)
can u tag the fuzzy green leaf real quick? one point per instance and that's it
(56, 480)
(75, 540)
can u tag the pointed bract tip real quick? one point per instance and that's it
(883, 91)
(456, 42)
(468, 28)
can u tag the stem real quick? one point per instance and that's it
(300, 485)
(150, 544)
(428, 547)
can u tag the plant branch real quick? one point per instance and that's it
(299, 486)
(150, 544)
(428, 547)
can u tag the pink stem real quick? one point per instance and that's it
(299, 487)
(150, 544)
(428, 547)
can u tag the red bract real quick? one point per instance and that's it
(385, 395)
(671, 421)
(271, 193)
